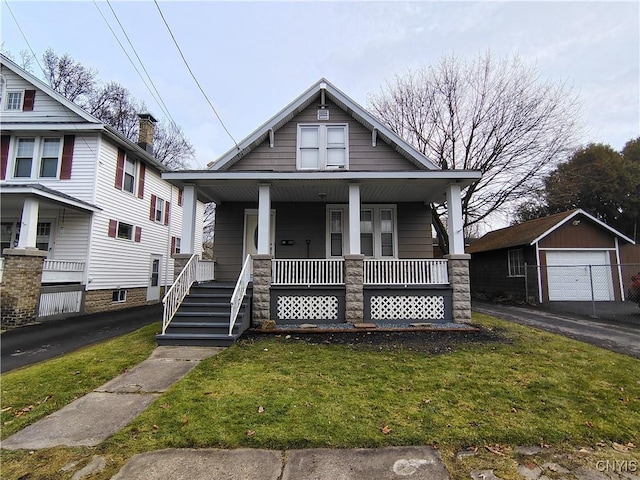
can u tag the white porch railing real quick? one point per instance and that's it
(405, 272)
(180, 288)
(240, 291)
(57, 271)
(1, 267)
(307, 272)
(205, 271)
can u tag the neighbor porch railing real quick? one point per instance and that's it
(180, 288)
(59, 271)
(1, 267)
(307, 272)
(240, 291)
(205, 270)
(405, 272)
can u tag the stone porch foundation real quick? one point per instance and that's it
(354, 290)
(20, 296)
(458, 266)
(261, 288)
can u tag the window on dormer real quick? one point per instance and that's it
(322, 147)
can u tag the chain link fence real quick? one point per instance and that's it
(601, 291)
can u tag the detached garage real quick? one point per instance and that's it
(570, 256)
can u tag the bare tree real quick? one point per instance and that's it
(69, 77)
(171, 147)
(498, 117)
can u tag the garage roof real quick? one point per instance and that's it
(531, 232)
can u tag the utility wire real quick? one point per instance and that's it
(131, 60)
(166, 109)
(25, 38)
(194, 77)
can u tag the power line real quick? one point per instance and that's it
(25, 38)
(194, 77)
(166, 109)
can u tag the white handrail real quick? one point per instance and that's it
(406, 272)
(239, 292)
(180, 288)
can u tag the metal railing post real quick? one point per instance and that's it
(593, 297)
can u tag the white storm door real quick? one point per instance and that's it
(251, 233)
(153, 290)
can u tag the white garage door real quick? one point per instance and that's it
(568, 276)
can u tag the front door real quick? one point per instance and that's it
(251, 233)
(153, 291)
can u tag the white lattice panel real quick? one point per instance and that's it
(298, 307)
(407, 308)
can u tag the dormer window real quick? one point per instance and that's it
(322, 147)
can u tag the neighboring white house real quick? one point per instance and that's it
(94, 201)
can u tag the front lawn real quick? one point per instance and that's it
(518, 386)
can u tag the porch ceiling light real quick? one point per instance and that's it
(322, 195)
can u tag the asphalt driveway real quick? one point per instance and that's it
(615, 336)
(33, 343)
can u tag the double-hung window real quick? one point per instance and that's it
(516, 263)
(322, 147)
(129, 183)
(336, 237)
(159, 210)
(378, 231)
(37, 157)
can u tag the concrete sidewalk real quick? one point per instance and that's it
(89, 420)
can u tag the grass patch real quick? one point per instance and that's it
(33, 392)
(278, 393)
(529, 388)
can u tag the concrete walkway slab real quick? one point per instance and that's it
(150, 376)
(185, 353)
(208, 464)
(86, 421)
(422, 463)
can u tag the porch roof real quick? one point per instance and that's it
(324, 187)
(13, 193)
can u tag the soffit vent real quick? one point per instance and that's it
(323, 114)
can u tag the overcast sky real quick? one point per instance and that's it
(253, 58)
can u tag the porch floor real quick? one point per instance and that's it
(360, 327)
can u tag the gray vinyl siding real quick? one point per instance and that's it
(414, 231)
(362, 156)
(307, 221)
(45, 108)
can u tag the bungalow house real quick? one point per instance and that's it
(569, 256)
(325, 212)
(87, 222)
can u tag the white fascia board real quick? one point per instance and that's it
(36, 82)
(134, 147)
(452, 175)
(594, 219)
(66, 127)
(51, 196)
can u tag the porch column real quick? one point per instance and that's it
(29, 223)
(189, 202)
(354, 291)
(264, 219)
(21, 280)
(458, 266)
(261, 303)
(454, 220)
(354, 219)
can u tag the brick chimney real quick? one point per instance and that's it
(145, 132)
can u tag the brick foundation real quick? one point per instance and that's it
(459, 280)
(261, 289)
(19, 297)
(102, 300)
(354, 291)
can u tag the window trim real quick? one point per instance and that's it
(135, 176)
(517, 265)
(377, 229)
(323, 146)
(119, 292)
(5, 98)
(36, 158)
(131, 238)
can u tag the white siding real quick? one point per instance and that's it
(45, 107)
(121, 263)
(83, 170)
(70, 235)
